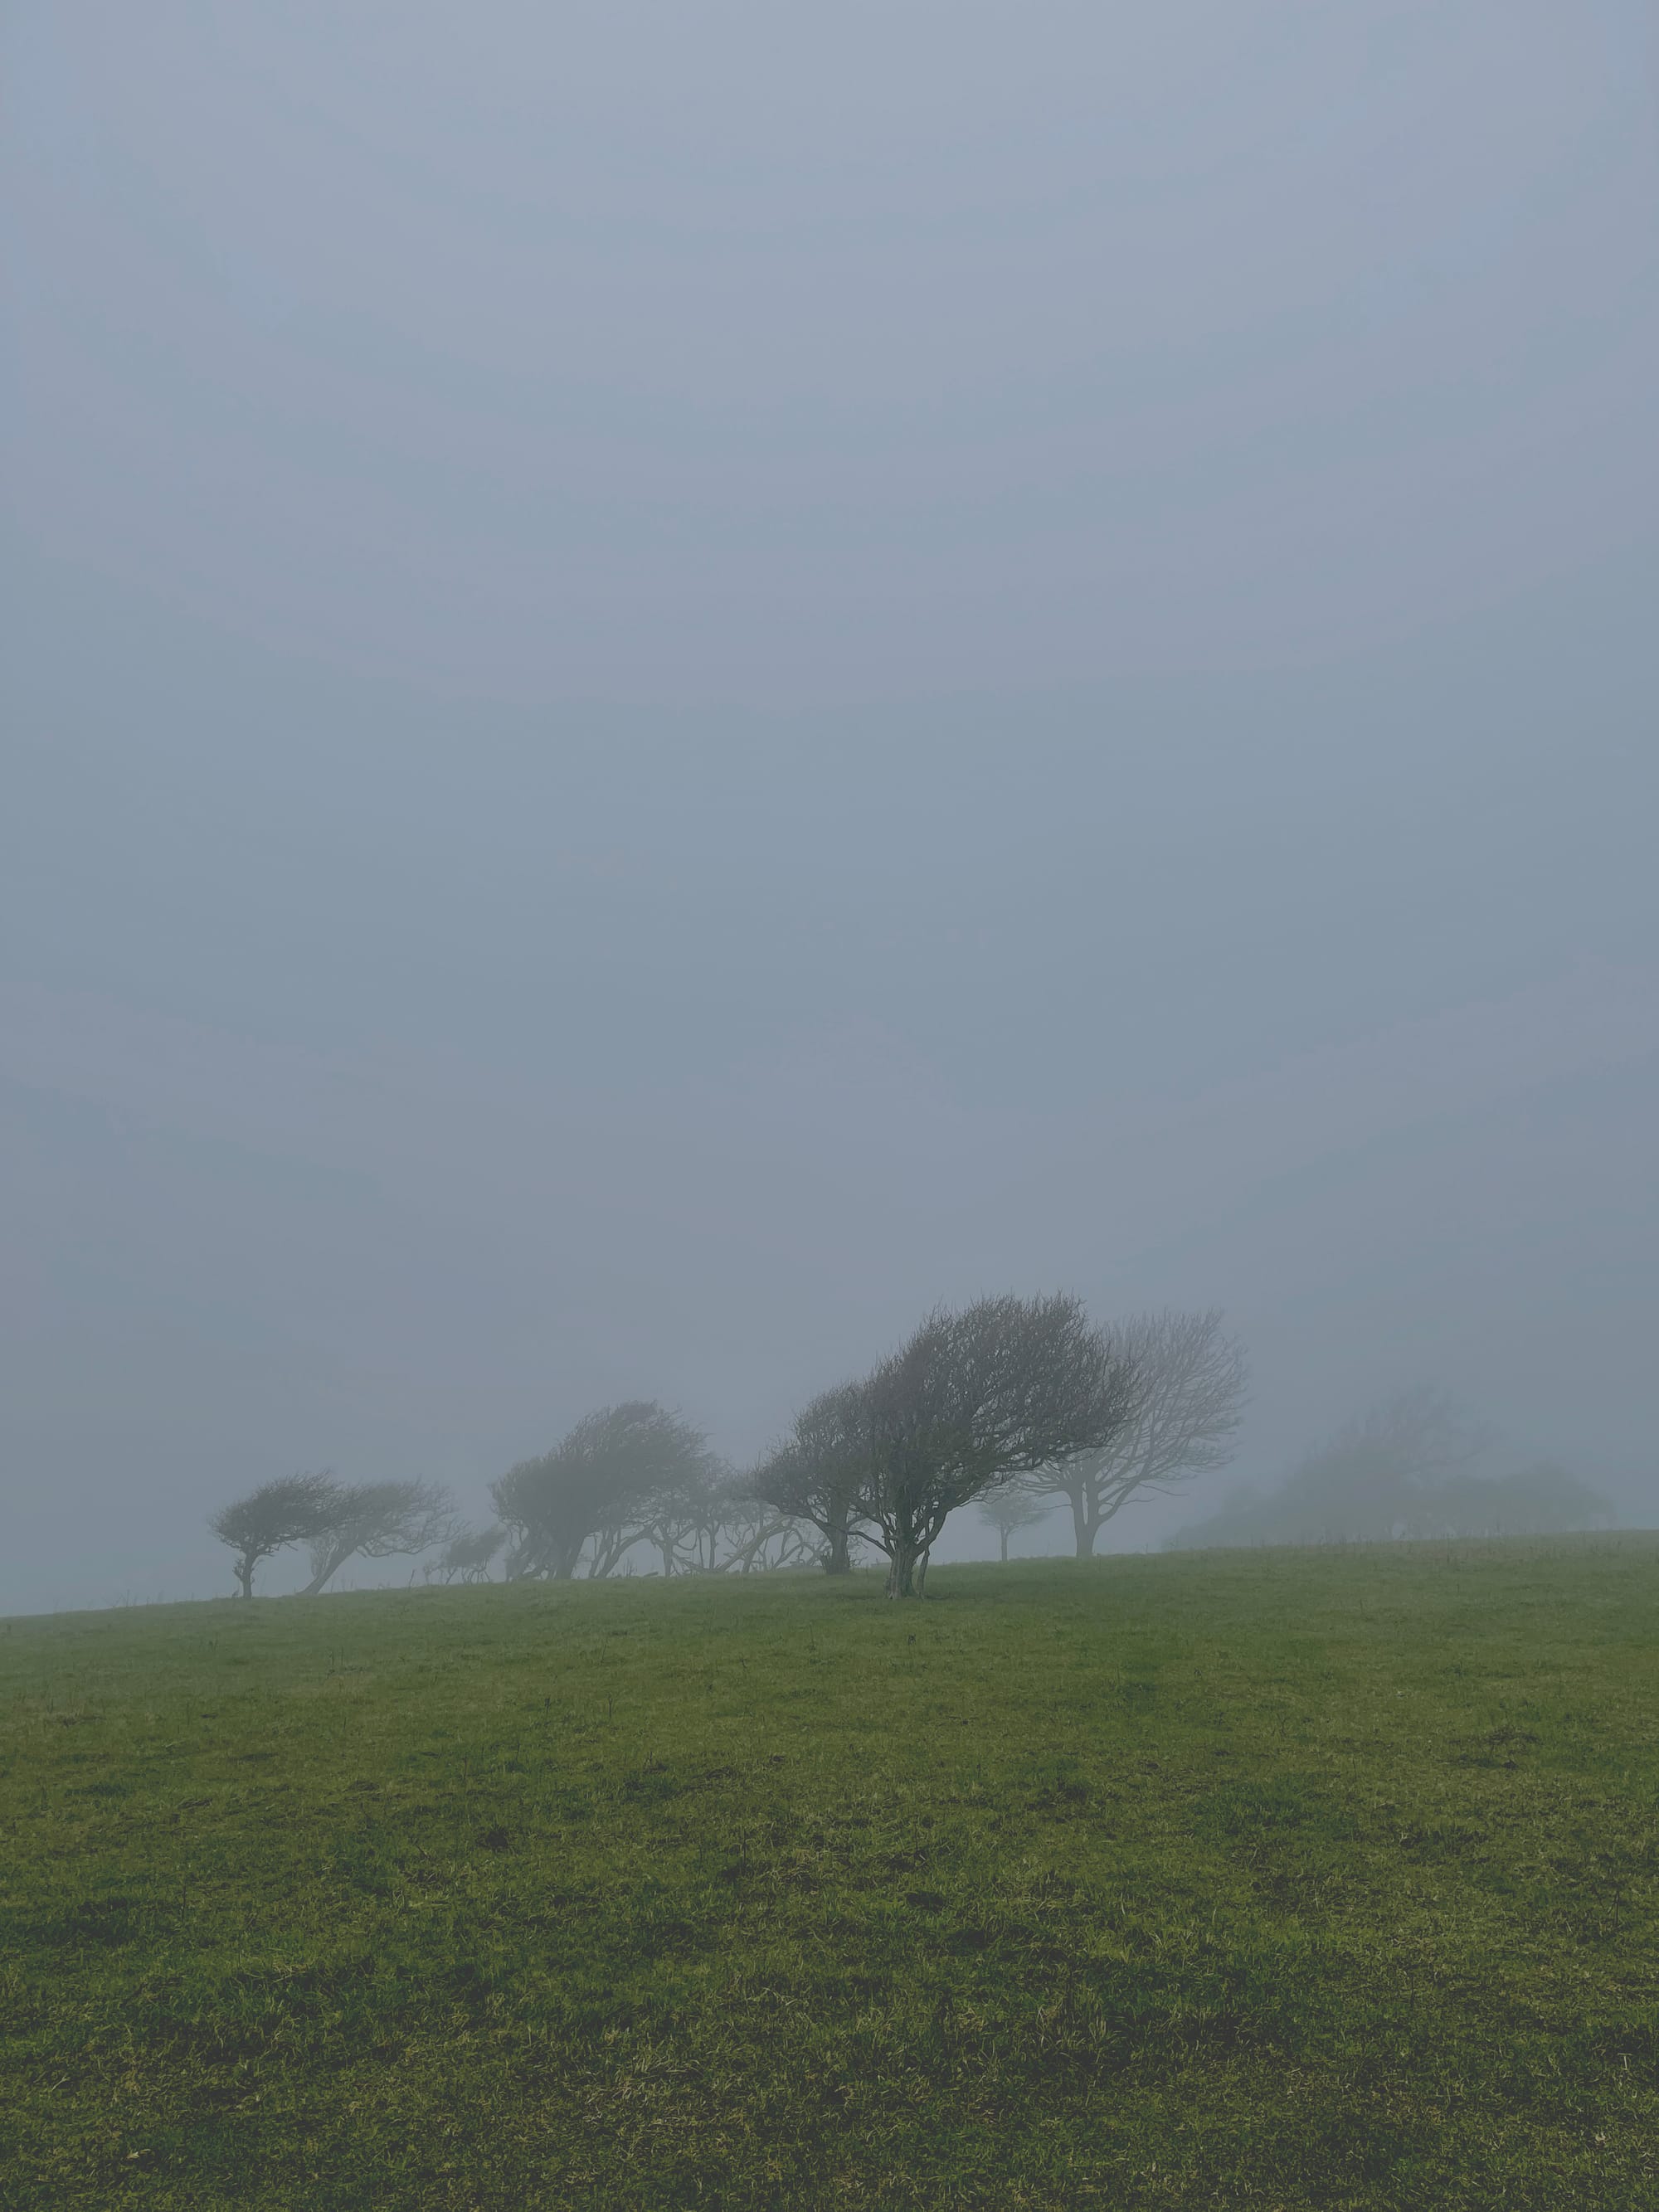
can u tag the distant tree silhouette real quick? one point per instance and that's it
(466, 1557)
(1189, 1388)
(598, 1492)
(294, 1509)
(1008, 1511)
(756, 1538)
(1405, 1469)
(974, 1399)
(818, 1473)
(380, 1521)
(714, 1523)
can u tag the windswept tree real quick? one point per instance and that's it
(820, 1472)
(1190, 1384)
(596, 1494)
(974, 1400)
(294, 1509)
(1008, 1511)
(380, 1521)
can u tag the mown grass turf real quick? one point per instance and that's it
(1273, 1879)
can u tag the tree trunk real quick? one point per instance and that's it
(245, 1576)
(838, 1558)
(1086, 1523)
(907, 1569)
(326, 1573)
(1004, 1533)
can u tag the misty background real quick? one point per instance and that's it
(679, 680)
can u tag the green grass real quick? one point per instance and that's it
(1265, 1880)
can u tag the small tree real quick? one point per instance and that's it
(380, 1521)
(974, 1400)
(294, 1509)
(595, 1495)
(1189, 1390)
(466, 1557)
(1008, 1511)
(818, 1473)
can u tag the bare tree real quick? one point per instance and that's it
(1008, 1511)
(380, 1521)
(294, 1509)
(817, 1475)
(1190, 1383)
(595, 1495)
(974, 1400)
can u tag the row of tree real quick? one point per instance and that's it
(335, 1522)
(634, 1476)
(1013, 1404)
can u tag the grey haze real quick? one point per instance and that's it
(676, 680)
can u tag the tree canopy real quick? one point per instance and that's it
(974, 1399)
(293, 1508)
(819, 1473)
(598, 1492)
(378, 1521)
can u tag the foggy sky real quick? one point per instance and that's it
(678, 680)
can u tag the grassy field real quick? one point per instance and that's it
(1232, 1879)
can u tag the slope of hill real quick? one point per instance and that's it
(1288, 1879)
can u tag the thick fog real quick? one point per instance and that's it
(680, 679)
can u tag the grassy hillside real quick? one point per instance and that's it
(1275, 1878)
